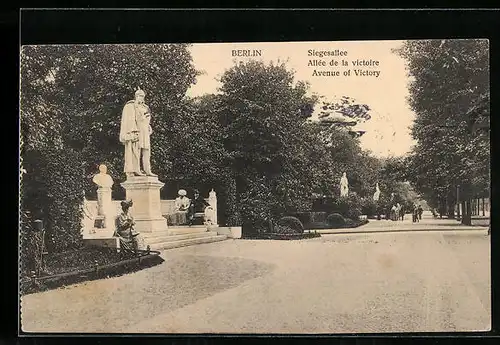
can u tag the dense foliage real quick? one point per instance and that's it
(449, 93)
(335, 220)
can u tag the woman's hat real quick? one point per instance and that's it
(182, 192)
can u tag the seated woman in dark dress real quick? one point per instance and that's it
(125, 229)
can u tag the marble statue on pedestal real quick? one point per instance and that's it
(344, 185)
(211, 212)
(135, 131)
(105, 212)
(141, 186)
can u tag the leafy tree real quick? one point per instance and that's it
(263, 115)
(343, 113)
(51, 173)
(449, 78)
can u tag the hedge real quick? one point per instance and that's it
(289, 225)
(52, 190)
(335, 220)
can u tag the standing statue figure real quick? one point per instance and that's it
(135, 131)
(344, 185)
(376, 195)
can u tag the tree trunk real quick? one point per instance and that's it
(451, 211)
(483, 207)
(466, 217)
(450, 208)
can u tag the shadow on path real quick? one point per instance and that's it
(105, 305)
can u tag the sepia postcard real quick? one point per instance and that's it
(322, 187)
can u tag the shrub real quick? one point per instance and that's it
(255, 205)
(312, 219)
(30, 240)
(282, 230)
(293, 224)
(304, 217)
(349, 222)
(335, 220)
(52, 190)
(368, 207)
(349, 207)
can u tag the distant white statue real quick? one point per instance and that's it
(376, 195)
(344, 185)
(211, 212)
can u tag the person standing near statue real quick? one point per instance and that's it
(135, 132)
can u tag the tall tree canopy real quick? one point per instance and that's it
(450, 80)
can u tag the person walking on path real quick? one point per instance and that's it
(415, 214)
(393, 212)
(420, 211)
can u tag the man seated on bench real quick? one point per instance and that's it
(199, 209)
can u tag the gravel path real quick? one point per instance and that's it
(385, 282)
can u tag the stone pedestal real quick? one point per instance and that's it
(144, 191)
(103, 200)
(105, 215)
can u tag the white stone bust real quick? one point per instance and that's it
(103, 180)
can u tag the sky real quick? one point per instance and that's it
(387, 132)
